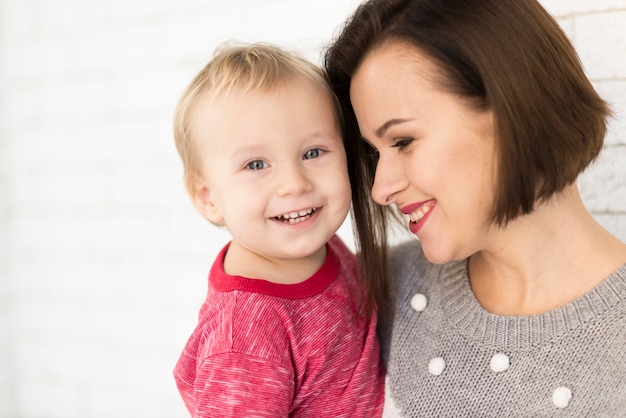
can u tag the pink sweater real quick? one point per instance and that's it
(269, 350)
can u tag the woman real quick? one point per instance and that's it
(480, 119)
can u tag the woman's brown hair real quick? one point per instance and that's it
(508, 56)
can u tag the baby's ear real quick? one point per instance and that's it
(200, 195)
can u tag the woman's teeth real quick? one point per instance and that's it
(296, 217)
(421, 212)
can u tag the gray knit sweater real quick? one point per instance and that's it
(448, 357)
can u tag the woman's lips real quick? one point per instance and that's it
(419, 213)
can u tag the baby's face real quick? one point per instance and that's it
(274, 168)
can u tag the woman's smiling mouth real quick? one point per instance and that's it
(418, 212)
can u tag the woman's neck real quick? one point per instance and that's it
(544, 260)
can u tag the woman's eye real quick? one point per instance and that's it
(402, 143)
(256, 165)
(312, 153)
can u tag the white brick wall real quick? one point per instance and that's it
(103, 259)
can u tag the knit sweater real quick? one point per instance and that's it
(263, 349)
(448, 357)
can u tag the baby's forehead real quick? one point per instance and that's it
(238, 98)
(246, 105)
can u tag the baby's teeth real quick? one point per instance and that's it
(295, 215)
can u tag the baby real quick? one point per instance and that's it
(284, 330)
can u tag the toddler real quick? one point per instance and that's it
(284, 330)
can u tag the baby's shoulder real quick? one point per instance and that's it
(243, 322)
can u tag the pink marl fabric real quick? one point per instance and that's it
(269, 350)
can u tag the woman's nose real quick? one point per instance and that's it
(389, 180)
(293, 180)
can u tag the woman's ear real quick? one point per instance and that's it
(200, 195)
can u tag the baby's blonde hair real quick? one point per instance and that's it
(249, 67)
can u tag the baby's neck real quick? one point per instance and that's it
(240, 261)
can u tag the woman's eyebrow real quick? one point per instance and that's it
(385, 126)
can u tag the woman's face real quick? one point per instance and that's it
(436, 154)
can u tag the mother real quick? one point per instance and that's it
(480, 118)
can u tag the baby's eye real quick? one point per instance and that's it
(312, 153)
(256, 165)
(402, 142)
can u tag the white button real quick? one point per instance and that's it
(436, 366)
(499, 363)
(561, 397)
(419, 302)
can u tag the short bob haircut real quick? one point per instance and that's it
(507, 56)
(238, 69)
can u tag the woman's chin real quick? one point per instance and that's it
(436, 254)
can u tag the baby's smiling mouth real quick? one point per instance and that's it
(296, 216)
